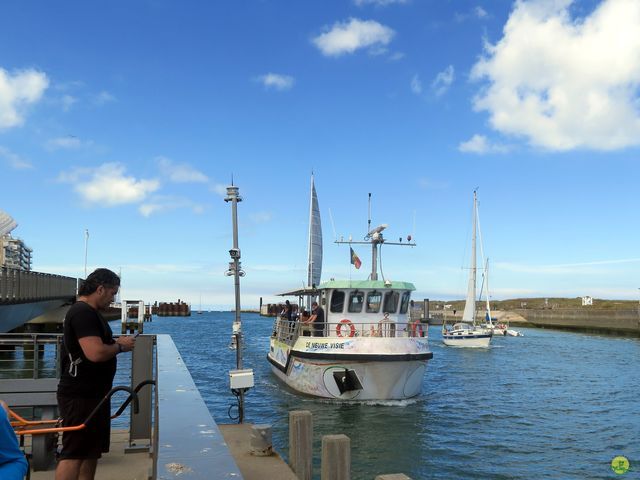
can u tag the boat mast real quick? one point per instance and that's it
(469, 314)
(374, 238)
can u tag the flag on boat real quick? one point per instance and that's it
(355, 260)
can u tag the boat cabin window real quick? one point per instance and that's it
(337, 301)
(356, 299)
(390, 302)
(404, 304)
(373, 302)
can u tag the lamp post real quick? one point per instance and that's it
(86, 247)
(240, 380)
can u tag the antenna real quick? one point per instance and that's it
(369, 222)
(333, 227)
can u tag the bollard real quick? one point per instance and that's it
(393, 476)
(301, 443)
(336, 457)
(261, 445)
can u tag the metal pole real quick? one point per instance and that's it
(86, 246)
(233, 196)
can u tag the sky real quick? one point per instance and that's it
(128, 120)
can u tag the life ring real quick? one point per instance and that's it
(415, 326)
(352, 328)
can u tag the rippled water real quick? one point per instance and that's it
(551, 404)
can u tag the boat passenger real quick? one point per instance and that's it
(13, 465)
(317, 319)
(305, 326)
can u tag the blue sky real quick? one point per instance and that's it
(129, 118)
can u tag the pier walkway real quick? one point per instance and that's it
(172, 436)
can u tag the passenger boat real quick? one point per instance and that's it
(366, 349)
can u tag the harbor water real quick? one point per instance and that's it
(551, 404)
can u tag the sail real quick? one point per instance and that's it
(469, 314)
(314, 267)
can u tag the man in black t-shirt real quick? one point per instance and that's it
(88, 367)
(317, 320)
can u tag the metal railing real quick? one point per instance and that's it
(19, 286)
(25, 355)
(289, 332)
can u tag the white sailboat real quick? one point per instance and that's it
(366, 349)
(468, 332)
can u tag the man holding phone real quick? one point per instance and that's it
(88, 367)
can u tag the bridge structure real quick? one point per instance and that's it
(27, 295)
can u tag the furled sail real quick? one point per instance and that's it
(314, 268)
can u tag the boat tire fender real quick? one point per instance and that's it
(345, 321)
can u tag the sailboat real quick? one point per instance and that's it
(469, 332)
(200, 307)
(367, 348)
(314, 264)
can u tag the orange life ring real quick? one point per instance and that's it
(414, 329)
(352, 328)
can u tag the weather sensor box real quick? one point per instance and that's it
(241, 378)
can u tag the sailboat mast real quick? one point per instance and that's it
(469, 314)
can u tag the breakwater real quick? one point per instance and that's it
(623, 322)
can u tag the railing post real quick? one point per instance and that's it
(301, 443)
(336, 457)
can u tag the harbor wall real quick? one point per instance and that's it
(595, 320)
(626, 322)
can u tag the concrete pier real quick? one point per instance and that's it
(238, 439)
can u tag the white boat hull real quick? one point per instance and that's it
(395, 372)
(468, 340)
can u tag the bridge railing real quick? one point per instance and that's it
(17, 286)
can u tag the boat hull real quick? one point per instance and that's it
(469, 340)
(390, 372)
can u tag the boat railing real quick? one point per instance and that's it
(288, 331)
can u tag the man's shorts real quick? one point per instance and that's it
(91, 441)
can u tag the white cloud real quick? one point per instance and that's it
(479, 144)
(443, 81)
(14, 160)
(563, 268)
(220, 189)
(276, 81)
(103, 97)
(379, 3)
(565, 83)
(395, 56)
(347, 37)
(480, 12)
(67, 102)
(17, 91)
(161, 204)
(180, 172)
(69, 142)
(108, 185)
(416, 85)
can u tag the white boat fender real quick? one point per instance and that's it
(343, 322)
